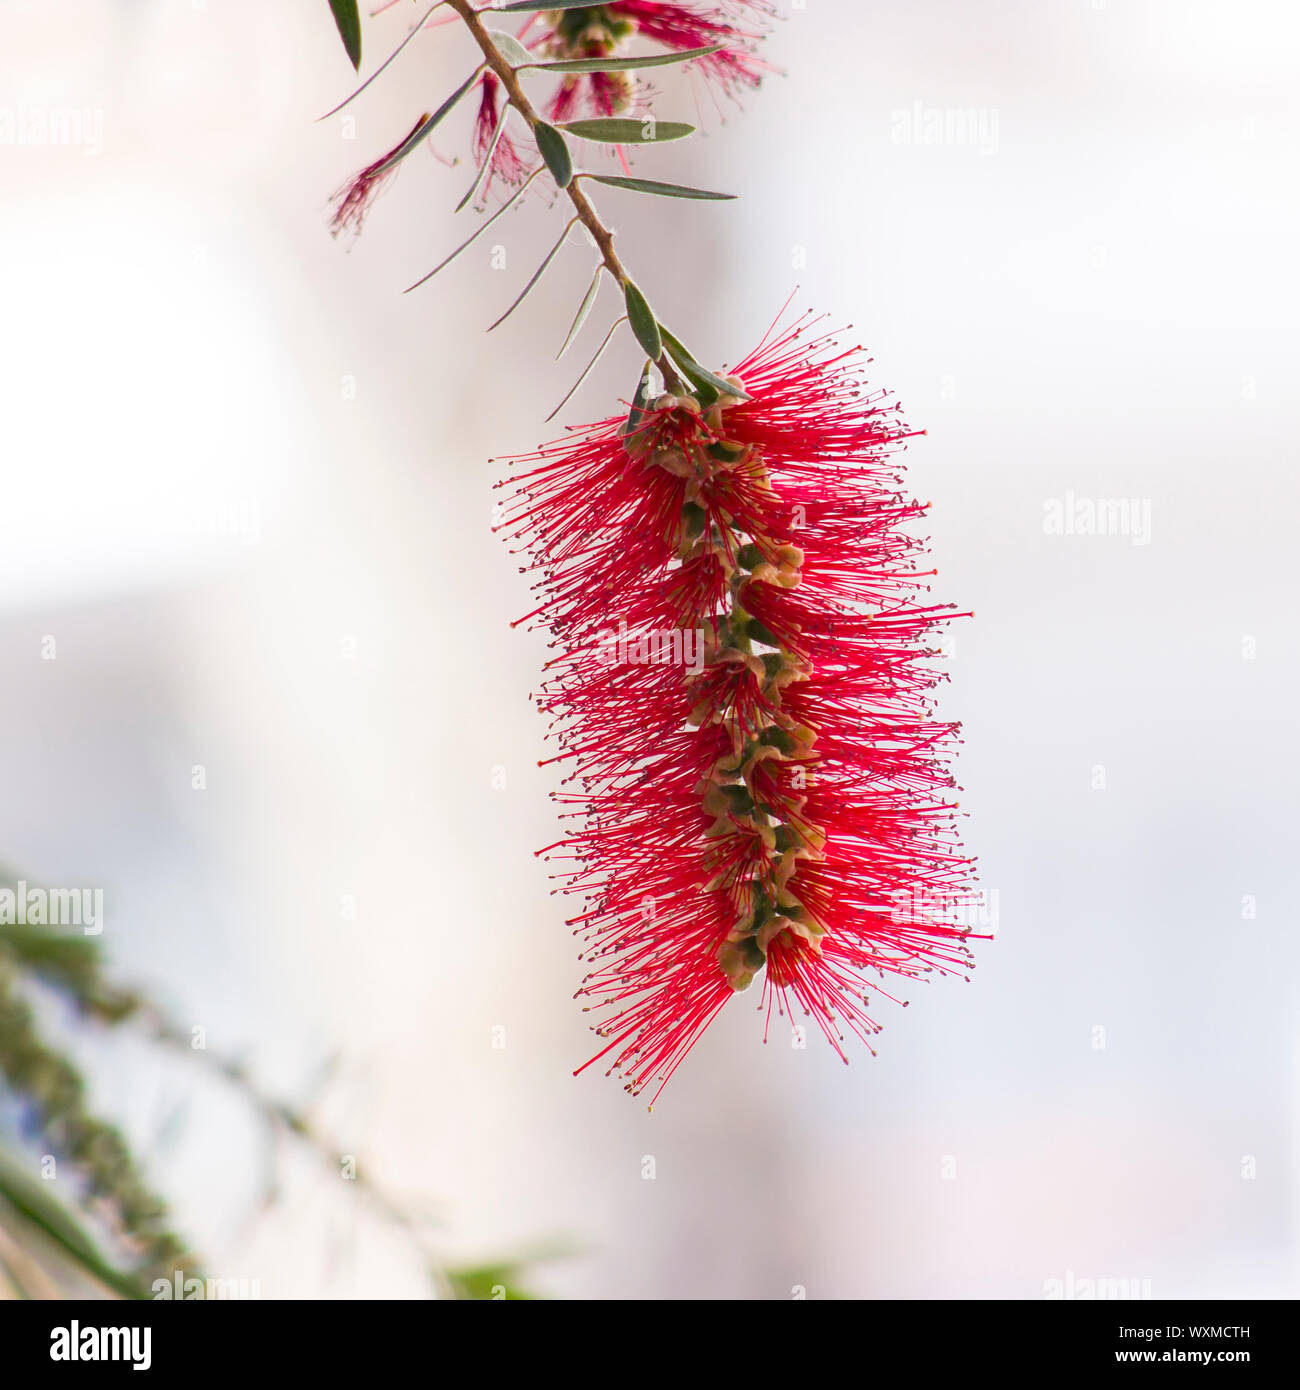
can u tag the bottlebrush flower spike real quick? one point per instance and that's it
(741, 687)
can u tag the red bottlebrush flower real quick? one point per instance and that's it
(596, 93)
(506, 163)
(741, 692)
(597, 31)
(680, 27)
(585, 31)
(353, 201)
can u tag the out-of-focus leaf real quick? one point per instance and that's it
(555, 151)
(646, 60)
(72, 963)
(627, 130)
(488, 1283)
(46, 951)
(33, 1201)
(349, 26)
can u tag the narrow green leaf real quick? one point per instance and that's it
(586, 371)
(537, 274)
(699, 377)
(627, 130)
(478, 231)
(555, 152)
(663, 190)
(704, 393)
(531, 6)
(584, 309)
(643, 322)
(646, 60)
(511, 49)
(349, 27)
(417, 137)
(419, 24)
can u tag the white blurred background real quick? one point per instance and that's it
(246, 490)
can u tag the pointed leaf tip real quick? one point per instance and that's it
(583, 310)
(349, 26)
(663, 190)
(586, 371)
(537, 274)
(709, 385)
(426, 128)
(639, 401)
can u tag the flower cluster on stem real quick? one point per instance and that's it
(782, 805)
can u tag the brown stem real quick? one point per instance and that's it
(587, 214)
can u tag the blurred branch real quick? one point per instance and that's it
(96, 1150)
(39, 1209)
(73, 965)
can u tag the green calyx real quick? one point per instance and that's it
(746, 950)
(743, 795)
